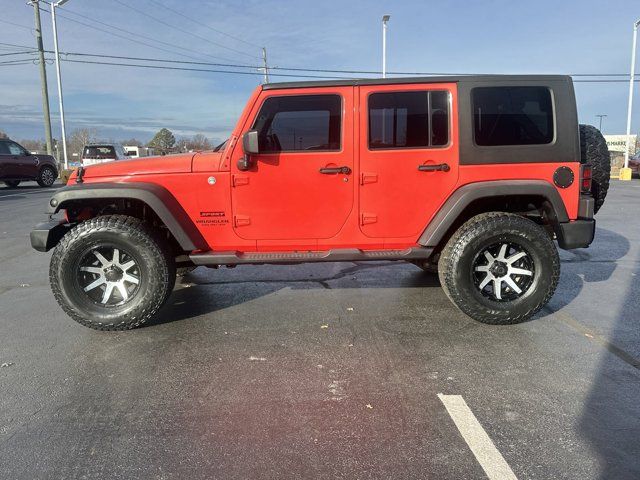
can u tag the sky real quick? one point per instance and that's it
(489, 36)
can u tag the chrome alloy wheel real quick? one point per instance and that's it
(47, 176)
(503, 271)
(109, 283)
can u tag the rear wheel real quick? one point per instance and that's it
(499, 268)
(111, 273)
(12, 183)
(46, 176)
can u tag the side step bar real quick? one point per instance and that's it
(338, 255)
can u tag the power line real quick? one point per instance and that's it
(16, 25)
(142, 12)
(129, 33)
(164, 67)
(16, 53)
(204, 24)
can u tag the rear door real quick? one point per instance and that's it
(293, 190)
(408, 156)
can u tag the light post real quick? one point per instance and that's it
(600, 125)
(385, 19)
(59, 3)
(625, 173)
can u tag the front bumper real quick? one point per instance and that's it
(46, 235)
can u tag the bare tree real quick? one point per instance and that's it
(3, 135)
(79, 138)
(34, 145)
(196, 143)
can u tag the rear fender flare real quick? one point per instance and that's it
(156, 197)
(441, 223)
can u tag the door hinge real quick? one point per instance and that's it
(241, 221)
(239, 180)
(368, 178)
(367, 218)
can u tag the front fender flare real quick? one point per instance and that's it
(158, 198)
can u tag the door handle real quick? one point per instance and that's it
(441, 167)
(335, 170)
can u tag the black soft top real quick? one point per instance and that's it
(405, 80)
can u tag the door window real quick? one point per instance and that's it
(299, 123)
(15, 149)
(4, 149)
(418, 119)
(512, 116)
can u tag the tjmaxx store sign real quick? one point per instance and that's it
(618, 143)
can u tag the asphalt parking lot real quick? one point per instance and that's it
(322, 371)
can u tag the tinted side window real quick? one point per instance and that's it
(294, 123)
(4, 149)
(408, 119)
(512, 116)
(15, 149)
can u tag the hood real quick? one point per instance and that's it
(180, 163)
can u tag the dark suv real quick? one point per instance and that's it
(17, 164)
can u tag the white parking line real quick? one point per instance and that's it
(490, 459)
(28, 192)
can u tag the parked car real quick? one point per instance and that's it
(474, 176)
(17, 164)
(102, 152)
(634, 165)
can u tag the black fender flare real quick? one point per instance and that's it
(158, 198)
(465, 195)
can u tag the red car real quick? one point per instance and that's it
(634, 165)
(475, 176)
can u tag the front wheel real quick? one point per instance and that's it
(499, 268)
(111, 273)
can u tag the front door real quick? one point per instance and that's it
(25, 163)
(300, 185)
(10, 160)
(408, 157)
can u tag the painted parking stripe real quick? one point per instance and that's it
(490, 459)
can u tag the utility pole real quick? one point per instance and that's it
(265, 68)
(600, 117)
(625, 172)
(385, 19)
(53, 5)
(43, 79)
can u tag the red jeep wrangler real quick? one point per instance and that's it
(474, 176)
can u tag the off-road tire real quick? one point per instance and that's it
(12, 183)
(455, 267)
(594, 152)
(156, 264)
(46, 176)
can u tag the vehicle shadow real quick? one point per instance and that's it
(205, 291)
(610, 417)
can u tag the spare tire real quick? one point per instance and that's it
(594, 152)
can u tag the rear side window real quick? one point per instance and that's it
(99, 151)
(409, 119)
(299, 123)
(4, 149)
(512, 116)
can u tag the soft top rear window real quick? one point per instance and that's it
(99, 151)
(512, 116)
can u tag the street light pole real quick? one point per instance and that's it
(53, 5)
(385, 19)
(625, 174)
(600, 117)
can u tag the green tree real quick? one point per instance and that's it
(163, 141)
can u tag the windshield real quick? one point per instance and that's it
(221, 146)
(99, 151)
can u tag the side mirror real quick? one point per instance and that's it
(250, 143)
